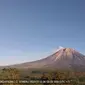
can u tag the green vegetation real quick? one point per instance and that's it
(42, 74)
(9, 73)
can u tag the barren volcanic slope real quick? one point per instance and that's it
(64, 58)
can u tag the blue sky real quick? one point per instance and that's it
(33, 29)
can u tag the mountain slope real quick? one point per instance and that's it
(64, 58)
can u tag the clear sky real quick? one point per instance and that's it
(32, 29)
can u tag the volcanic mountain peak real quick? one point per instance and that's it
(63, 58)
(65, 50)
(67, 53)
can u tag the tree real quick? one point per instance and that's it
(10, 73)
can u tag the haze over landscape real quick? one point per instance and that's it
(33, 29)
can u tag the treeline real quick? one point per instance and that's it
(9, 73)
(13, 73)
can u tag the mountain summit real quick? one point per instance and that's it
(63, 58)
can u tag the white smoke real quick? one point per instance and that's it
(59, 48)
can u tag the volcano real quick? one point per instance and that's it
(63, 58)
